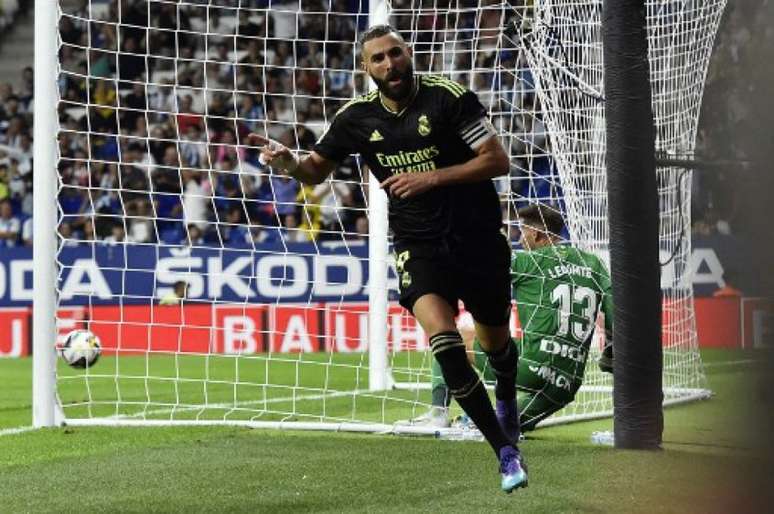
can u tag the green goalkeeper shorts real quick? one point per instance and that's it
(541, 391)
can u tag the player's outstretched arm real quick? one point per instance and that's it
(490, 161)
(312, 169)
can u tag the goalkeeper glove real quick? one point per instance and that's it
(605, 361)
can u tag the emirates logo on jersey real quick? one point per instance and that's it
(423, 125)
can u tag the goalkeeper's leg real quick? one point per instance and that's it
(538, 398)
(534, 407)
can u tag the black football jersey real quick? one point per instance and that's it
(432, 132)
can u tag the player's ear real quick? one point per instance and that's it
(363, 58)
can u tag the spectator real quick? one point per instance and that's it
(131, 65)
(140, 223)
(5, 190)
(217, 113)
(331, 196)
(193, 148)
(117, 235)
(285, 190)
(196, 193)
(88, 230)
(220, 68)
(338, 78)
(227, 149)
(178, 294)
(234, 233)
(291, 232)
(12, 128)
(68, 238)
(161, 98)
(103, 119)
(187, 117)
(251, 112)
(19, 185)
(23, 153)
(27, 87)
(195, 235)
(133, 104)
(10, 225)
(68, 31)
(361, 227)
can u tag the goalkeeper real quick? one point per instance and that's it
(558, 290)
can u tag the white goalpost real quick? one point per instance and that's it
(225, 294)
(45, 405)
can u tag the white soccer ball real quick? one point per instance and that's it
(81, 349)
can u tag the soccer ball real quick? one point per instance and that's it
(81, 349)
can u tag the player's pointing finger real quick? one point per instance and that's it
(257, 140)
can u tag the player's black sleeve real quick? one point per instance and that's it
(336, 143)
(468, 118)
(464, 110)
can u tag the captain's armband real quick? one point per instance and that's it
(476, 133)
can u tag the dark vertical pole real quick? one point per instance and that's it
(634, 226)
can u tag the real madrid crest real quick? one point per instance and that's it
(423, 125)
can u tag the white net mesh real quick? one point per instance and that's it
(223, 293)
(563, 41)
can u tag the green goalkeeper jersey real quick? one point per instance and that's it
(559, 291)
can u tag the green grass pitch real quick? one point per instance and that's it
(708, 452)
(287, 387)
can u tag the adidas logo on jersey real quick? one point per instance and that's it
(376, 136)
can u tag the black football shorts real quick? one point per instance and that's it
(475, 270)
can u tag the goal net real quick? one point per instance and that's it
(224, 293)
(562, 41)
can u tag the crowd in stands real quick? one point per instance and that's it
(16, 163)
(153, 121)
(15, 145)
(736, 107)
(10, 10)
(164, 159)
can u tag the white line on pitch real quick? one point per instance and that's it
(15, 430)
(724, 364)
(169, 410)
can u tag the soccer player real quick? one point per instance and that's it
(428, 141)
(559, 291)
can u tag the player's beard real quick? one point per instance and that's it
(401, 91)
